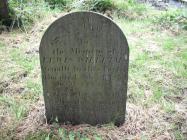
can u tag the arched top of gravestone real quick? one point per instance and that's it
(74, 20)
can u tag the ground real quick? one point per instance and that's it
(157, 86)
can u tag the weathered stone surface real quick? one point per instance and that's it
(84, 61)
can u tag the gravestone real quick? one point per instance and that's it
(84, 61)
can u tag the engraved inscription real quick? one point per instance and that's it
(92, 58)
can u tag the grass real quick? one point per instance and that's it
(23, 61)
(16, 106)
(61, 133)
(131, 9)
(172, 18)
(26, 13)
(148, 64)
(157, 80)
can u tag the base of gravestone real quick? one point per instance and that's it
(117, 122)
